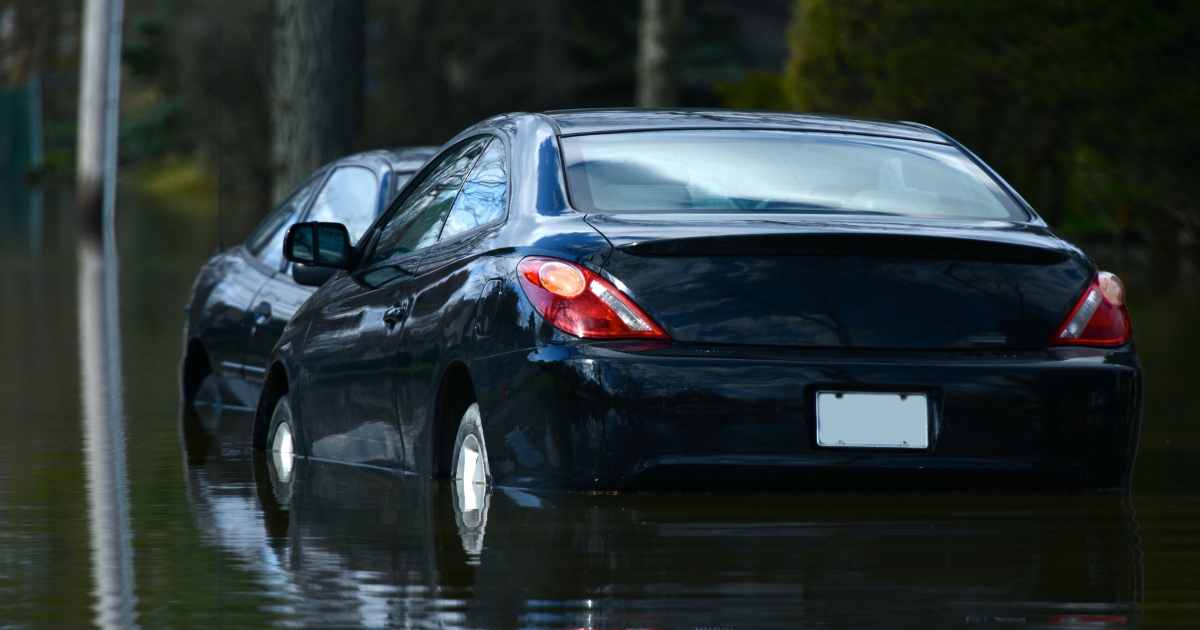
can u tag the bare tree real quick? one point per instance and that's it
(316, 85)
(658, 33)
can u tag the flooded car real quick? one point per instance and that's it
(243, 296)
(605, 299)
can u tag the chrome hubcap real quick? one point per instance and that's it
(470, 461)
(472, 475)
(283, 451)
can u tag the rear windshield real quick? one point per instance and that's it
(727, 171)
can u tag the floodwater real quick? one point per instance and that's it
(118, 508)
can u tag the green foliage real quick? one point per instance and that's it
(1085, 107)
(756, 90)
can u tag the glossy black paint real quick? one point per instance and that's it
(762, 309)
(241, 303)
(842, 283)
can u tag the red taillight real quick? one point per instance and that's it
(581, 303)
(1099, 318)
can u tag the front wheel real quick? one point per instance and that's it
(282, 443)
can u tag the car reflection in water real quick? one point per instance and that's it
(331, 544)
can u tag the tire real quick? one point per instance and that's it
(282, 448)
(200, 384)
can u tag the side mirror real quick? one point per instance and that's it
(319, 245)
(309, 276)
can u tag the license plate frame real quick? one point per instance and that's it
(889, 420)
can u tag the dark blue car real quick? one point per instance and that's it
(619, 298)
(243, 297)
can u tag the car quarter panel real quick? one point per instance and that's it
(218, 314)
(454, 275)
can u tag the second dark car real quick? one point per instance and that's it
(244, 296)
(605, 299)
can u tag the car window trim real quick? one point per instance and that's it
(507, 195)
(322, 174)
(493, 224)
(418, 176)
(372, 232)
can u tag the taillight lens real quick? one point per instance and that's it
(1100, 317)
(579, 302)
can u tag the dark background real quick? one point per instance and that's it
(1088, 108)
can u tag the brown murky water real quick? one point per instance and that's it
(189, 528)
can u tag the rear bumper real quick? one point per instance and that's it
(613, 416)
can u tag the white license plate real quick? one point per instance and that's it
(872, 420)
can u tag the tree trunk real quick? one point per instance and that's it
(657, 37)
(316, 86)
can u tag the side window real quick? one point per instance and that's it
(401, 178)
(350, 197)
(417, 221)
(484, 196)
(266, 241)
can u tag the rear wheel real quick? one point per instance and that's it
(200, 384)
(470, 463)
(472, 476)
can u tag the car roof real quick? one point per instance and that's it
(410, 158)
(398, 159)
(571, 122)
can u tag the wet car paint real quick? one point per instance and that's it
(562, 412)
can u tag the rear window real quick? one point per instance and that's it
(748, 171)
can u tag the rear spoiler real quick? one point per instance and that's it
(863, 245)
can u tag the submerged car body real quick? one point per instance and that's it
(613, 298)
(334, 543)
(244, 296)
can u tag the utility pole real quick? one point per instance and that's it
(99, 100)
(99, 324)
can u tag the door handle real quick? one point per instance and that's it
(262, 313)
(395, 314)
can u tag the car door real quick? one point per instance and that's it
(231, 311)
(355, 349)
(351, 195)
(446, 292)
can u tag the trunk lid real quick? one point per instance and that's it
(878, 283)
